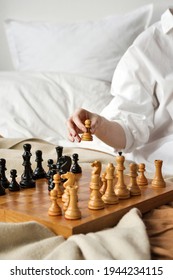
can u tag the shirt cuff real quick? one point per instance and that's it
(128, 135)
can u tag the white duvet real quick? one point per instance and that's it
(38, 104)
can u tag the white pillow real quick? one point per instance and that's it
(90, 48)
(38, 104)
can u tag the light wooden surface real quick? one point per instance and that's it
(33, 205)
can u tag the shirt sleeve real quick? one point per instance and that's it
(133, 103)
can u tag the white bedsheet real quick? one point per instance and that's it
(39, 104)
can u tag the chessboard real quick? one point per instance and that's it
(32, 204)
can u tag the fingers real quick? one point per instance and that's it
(75, 124)
(72, 129)
(78, 122)
(73, 139)
(95, 123)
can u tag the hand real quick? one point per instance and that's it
(110, 132)
(75, 124)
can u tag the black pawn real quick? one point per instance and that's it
(49, 165)
(2, 189)
(4, 180)
(14, 186)
(75, 166)
(59, 151)
(26, 178)
(39, 172)
(53, 171)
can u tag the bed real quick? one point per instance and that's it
(55, 57)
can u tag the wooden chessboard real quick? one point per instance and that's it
(33, 204)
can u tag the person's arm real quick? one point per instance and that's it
(127, 121)
(134, 103)
(107, 131)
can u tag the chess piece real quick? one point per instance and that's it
(59, 151)
(54, 209)
(57, 184)
(158, 181)
(104, 183)
(49, 164)
(26, 178)
(96, 167)
(141, 179)
(73, 212)
(2, 189)
(27, 149)
(133, 186)
(95, 201)
(66, 199)
(14, 186)
(96, 170)
(109, 196)
(76, 167)
(120, 188)
(69, 180)
(53, 171)
(64, 164)
(86, 136)
(39, 172)
(116, 173)
(4, 180)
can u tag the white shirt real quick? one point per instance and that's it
(142, 87)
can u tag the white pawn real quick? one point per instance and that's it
(141, 179)
(87, 136)
(54, 209)
(57, 183)
(133, 186)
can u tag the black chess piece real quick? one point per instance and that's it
(26, 178)
(59, 151)
(4, 180)
(39, 172)
(27, 149)
(14, 186)
(65, 164)
(2, 189)
(75, 166)
(49, 164)
(53, 171)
